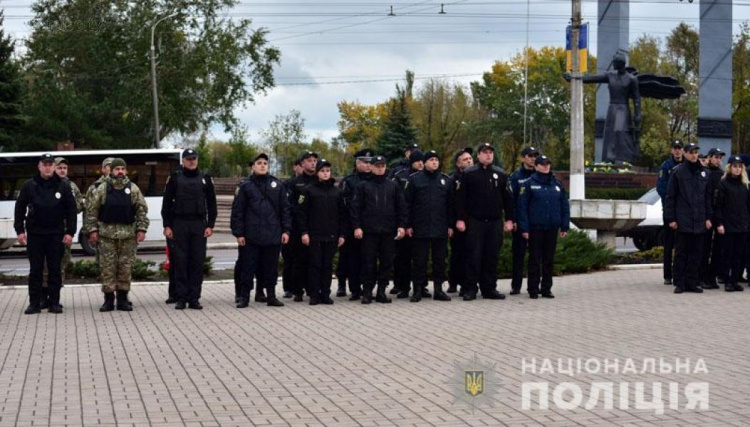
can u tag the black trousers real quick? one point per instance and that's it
(421, 249)
(457, 272)
(188, 258)
(301, 255)
(171, 290)
(43, 248)
(519, 253)
(710, 255)
(287, 274)
(402, 264)
(688, 250)
(377, 253)
(321, 269)
(354, 261)
(256, 259)
(734, 249)
(669, 236)
(238, 274)
(542, 244)
(484, 240)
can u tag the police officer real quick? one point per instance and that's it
(61, 169)
(378, 213)
(117, 219)
(712, 244)
(350, 256)
(427, 196)
(259, 292)
(45, 221)
(481, 198)
(300, 252)
(517, 179)
(543, 213)
(406, 162)
(665, 172)
(732, 214)
(261, 221)
(189, 213)
(287, 273)
(457, 272)
(402, 273)
(688, 212)
(323, 220)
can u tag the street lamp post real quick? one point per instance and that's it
(153, 80)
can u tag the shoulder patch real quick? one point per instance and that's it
(237, 190)
(523, 190)
(301, 199)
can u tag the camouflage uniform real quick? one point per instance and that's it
(117, 242)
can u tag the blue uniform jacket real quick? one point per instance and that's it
(543, 204)
(664, 173)
(261, 211)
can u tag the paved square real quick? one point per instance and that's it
(378, 365)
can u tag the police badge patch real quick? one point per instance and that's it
(442, 181)
(58, 195)
(127, 191)
(301, 199)
(273, 184)
(474, 384)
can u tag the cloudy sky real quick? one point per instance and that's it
(355, 50)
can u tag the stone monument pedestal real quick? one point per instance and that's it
(607, 217)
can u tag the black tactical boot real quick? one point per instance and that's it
(452, 288)
(341, 291)
(260, 296)
(380, 296)
(109, 302)
(271, 299)
(426, 293)
(417, 295)
(367, 294)
(33, 309)
(122, 301)
(439, 294)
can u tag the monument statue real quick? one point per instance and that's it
(621, 129)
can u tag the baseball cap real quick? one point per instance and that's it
(677, 144)
(692, 146)
(321, 164)
(189, 153)
(528, 151)
(485, 146)
(59, 160)
(716, 152)
(377, 159)
(542, 160)
(46, 157)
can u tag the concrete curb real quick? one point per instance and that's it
(635, 266)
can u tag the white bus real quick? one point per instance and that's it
(148, 168)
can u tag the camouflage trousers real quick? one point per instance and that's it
(116, 259)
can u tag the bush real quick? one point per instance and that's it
(89, 269)
(208, 267)
(615, 193)
(653, 255)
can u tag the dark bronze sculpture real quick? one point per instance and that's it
(621, 130)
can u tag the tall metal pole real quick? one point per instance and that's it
(153, 81)
(577, 178)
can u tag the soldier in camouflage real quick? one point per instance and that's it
(116, 220)
(61, 169)
(106, 168)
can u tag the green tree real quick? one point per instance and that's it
(11, 118)
(398, 130)
(285, 137)
(89, 72)
(741, 91)
(360, 125)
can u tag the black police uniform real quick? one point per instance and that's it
(712, 243)
(427, 195)
(481, 197)
(46, 211)
(350, 256)
(322, 215)
(661, 187)
(543, 211)
(402, 263)
(300, 252)
(688, 203)
(732, 211)
(287, 272)
(188, 208)
(458, 259)
(261, 214)
(517, 180)
(378, 208)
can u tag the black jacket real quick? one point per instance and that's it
(261, 211)
(321, 212)
(427, 195)
(172, 208)
(714, 177)
(689, 198)
(542, 204)
(45, 206)
(378, 206)
(294, 188)
(483, 193)
(732, 206)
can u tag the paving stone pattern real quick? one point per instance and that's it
(355, 365)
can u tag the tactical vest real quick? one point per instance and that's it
(190, 197)
(45, 208)
(118, 207)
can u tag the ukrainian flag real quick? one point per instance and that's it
(583, 49)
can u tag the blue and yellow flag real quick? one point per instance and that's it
(583, 49)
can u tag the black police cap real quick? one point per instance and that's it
(321, 164)
(431, 154)
(528, 151)
(677, 144)
(692, 146)
(716, 152)
(47, 157)
(189, 153)
(307, 155)
(736, 159)
(377, 159)
(485, 146)
(542, 160)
